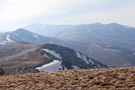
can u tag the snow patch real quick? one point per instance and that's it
(8, 38)
(36, 36)
(98, 65)
(4, 42)
(91, 61)
(53, 53)
(45, 55)
(109, 46)
(127, 27)
(78, 55)
(52, 66)
(75, 67)
(84, 58)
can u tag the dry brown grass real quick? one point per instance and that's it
(81, 79)
(21, 58)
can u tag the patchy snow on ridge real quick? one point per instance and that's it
(78, 55)
(91, 61)
(8, 38)
(98, 66)
(75, 67)
(52, 66)
(3, 42)
(36, 36)
(85, 59)
(127, 27)
(45, 54)
(53, 53)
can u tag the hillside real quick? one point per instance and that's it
(30, 58)
(21, 58)
(81, 79)
(22, 35)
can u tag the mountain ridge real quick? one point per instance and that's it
(30, 58)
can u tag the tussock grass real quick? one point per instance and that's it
(81, 79)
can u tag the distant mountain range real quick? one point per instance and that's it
(22, 35)
(92, 32)
(47, 30)
(26, 58)
(113, 44)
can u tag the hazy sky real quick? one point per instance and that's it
(19, 13)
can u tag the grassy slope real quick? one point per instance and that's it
(110, 57)
(83, 79)
(21, 58)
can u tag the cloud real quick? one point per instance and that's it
(124, 15)
(25, 9)
(17, 13)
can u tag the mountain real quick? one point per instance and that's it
(47, 30)
(22, 35)
(99, 32)
(26, 58)
(78, 79)
(112, 44)
(88, 32)
(68, 58)
(114, 54)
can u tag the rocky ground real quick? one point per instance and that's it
(81, 79)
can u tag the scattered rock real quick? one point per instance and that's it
(1, 71)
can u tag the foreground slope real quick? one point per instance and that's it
(79, 79)
(21, 58)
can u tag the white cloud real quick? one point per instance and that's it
(25, 9)
(124, 15)
(17, 13)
